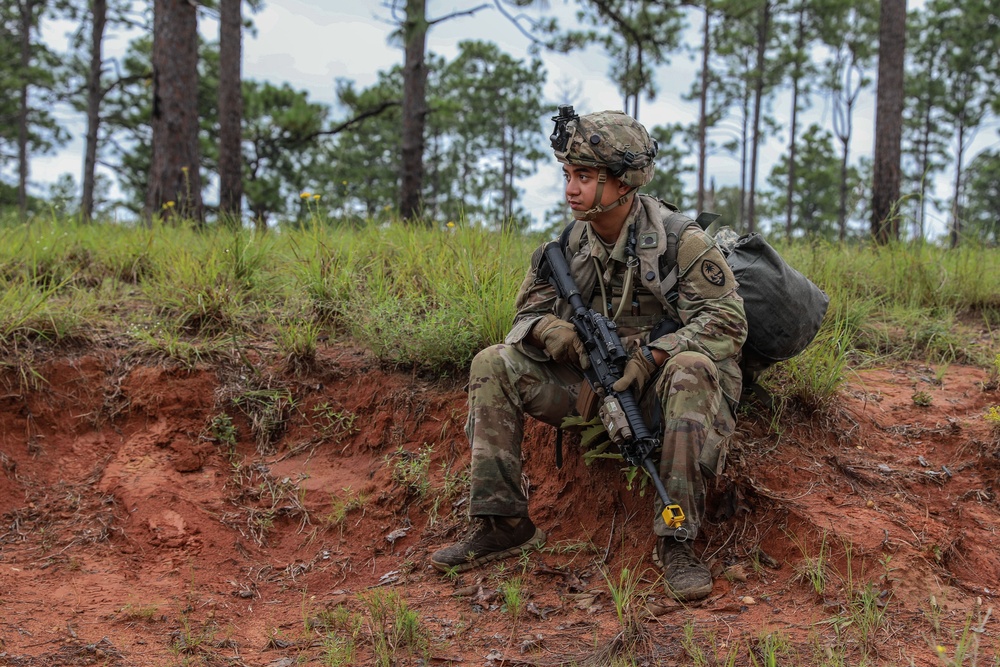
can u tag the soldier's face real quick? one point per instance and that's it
(581, 187)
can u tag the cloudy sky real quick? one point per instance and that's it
(310, 45)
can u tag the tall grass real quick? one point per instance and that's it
(431, 297)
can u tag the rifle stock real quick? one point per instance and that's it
(620, 411)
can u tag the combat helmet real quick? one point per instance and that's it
(611, 141)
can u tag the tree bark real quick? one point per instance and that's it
(174, 178)
(793, 130)
(230, 113)
(703, 107)
(94, 95)
(888, 121)
(27, 9)
(762, 34)
(955, 234)
(414, 109)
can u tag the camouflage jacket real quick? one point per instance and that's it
(708, 308)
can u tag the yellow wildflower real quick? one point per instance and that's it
(993, 415)
(315, 197)
(306, 195)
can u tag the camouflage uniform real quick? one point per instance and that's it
(696, 389)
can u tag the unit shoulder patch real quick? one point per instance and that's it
(713, 273)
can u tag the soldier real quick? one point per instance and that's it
(688, 381)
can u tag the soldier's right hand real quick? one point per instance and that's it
(560, 340)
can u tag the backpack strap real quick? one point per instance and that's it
(571, 237)
(674, 225)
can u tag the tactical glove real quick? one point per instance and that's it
(637, 371)
(561, 341)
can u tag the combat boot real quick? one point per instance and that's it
(687, 578)
(495, 537)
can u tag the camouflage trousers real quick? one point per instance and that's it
(684, 398)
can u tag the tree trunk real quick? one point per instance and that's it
(639, 82)
(955, 234)
(174, 178)
(94, 94)
(888, 121)
(762, 32)
(842, 206)
(27, 8)
(793, 130)
(703, 107)
(230, 113)
(744, 142)
(414, 109)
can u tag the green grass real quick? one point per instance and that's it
(430, 298)
(394, 628)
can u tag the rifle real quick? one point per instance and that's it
(619, 410)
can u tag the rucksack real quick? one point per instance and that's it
(784, 309)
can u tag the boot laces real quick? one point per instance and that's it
(679, 556)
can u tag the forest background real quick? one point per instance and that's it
(481, 119)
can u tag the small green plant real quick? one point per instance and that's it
(340, 507)
(190, 640)
(771, 650)
(689, 642)
(268, 410)
(815, 376)
(936, 338)
(393, 627)
(146, 612)
(165, 342)
(454, 484)
(512, 591)
(624, 593)
(963, 646)
(993, 382)
(934, 614)
(343, 631)
(32, 311)
(865, 608)
(339, 650)
(334, 423)
(814, 568)
(410, 469)
(633, 637)
(921, 398)
(223, 431)
(297, 340)
(992, 416)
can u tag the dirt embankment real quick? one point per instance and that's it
(153, 515)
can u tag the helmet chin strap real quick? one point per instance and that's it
(596, 208)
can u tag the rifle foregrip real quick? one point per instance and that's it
(640, 432)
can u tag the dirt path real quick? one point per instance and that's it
(153, 515)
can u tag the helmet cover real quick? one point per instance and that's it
(610, 139)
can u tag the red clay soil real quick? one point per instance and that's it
(132, 534)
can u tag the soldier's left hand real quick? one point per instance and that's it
(637, 372)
